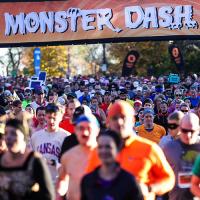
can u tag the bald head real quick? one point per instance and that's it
(121, 107)
(190, 120)
(190, 128)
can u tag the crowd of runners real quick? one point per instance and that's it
(100, 138)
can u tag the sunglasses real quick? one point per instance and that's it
(172, 126)
(178, 95)
(185, 131)
(27, 92)
(184, 111)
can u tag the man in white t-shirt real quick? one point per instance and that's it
(79, 93)
(48, 141)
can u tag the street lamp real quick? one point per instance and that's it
(104, 65)
(68, 62)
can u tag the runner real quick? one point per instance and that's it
(150, 130)
(66, 122)
(23, 173)
(74, 161)
(173, 126)
(142, 158)
(181, 155)
(40, 122)
(48, 141)
(109, 181)
(39, 99)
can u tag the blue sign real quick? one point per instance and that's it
(37, 59)
(174, 78)
(42, 76)
(35, 84)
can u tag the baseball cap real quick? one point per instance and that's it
(139, 88)
(159, 88)
(122, 91)
(138, 102)
(27, 89)
(136, 84)
(120, 107)
(107, 93)
(148, 100)
(7, 93)
(87, 118)
(80, 110)
(92, 80)
(148, 111)
(61, 101)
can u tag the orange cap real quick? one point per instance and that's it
(120, 107)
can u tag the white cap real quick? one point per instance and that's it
(61, 101)
(91, 80)
(139, 88)
(7, 93)
(135, 84)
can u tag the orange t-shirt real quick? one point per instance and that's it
(155, 135)
(143, 159)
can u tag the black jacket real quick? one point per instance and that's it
(161, 119)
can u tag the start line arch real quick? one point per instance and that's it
(31, 23)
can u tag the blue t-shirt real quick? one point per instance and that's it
(194, 101)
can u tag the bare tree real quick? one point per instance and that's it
(12, 59)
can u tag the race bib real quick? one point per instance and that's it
(184, 179)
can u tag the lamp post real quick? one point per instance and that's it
(68, 62)
(104, 64)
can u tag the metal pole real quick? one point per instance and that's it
(68, 61)
(104, 54)
(104, 64)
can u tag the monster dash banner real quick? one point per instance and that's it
(75, 21)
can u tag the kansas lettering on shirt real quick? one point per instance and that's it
(48, 148)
